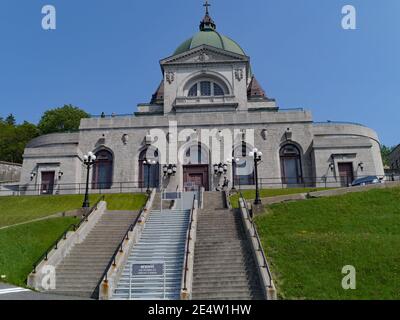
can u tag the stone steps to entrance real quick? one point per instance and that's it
(80, 271)
(163, 240)
(224, 267)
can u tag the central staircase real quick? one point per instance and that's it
(224, 267)
(163, 240)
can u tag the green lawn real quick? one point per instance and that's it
(15, 210)
(126, 201)
(309, 242)
(267, 193)
(21, 246)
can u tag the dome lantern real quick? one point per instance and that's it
(207, 23)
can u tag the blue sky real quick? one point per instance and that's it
(104, 55)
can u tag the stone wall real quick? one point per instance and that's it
(9, 172)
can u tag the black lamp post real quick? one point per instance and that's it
(88, 161)
(257, 155)
(234, 162)
(148, 163)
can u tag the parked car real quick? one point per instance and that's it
(366, 181)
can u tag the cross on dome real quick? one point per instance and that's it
(207, 5)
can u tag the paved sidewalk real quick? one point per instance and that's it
(8, 292)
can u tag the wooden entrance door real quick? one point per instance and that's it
(195, 176)
(346, 173)
(47, 186)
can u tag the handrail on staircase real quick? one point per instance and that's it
(257, 236)
(188, 240)
(72, 227)
(119, 249)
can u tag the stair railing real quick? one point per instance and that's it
(113, 260)
(188, 243)
(256, 235)
(63, 237)
(119, 249)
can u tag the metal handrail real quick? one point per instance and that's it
(119, 249)
(72, 227)
(33, 188)
(327, 181)
(189, 238)
(257, 236)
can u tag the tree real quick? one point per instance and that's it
(385, 151)
(13, 140)
(63, 119)
(10, 120)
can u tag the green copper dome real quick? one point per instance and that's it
(209, 36)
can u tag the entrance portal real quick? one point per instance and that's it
(195, 177)
(47, 185)
(346, 174)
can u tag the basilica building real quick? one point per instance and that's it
(200, 129)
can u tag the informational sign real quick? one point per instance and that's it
(148, 269)
(172, 195)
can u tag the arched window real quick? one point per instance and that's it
(206, 89)
(196, 155)
(149, 168)
(103, 170)
(291, 165)
(244, 169)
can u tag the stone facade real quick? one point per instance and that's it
(9, 172)
(206, 91)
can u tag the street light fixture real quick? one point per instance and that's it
(170, 170)
(88, 161)
(257, 156)
(220, 169)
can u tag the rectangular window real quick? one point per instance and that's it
(218, 90)
(193, 91)
(205, 88)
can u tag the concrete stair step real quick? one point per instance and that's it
(83, 269)
(220, 262)
(226, 278)
(203, 284)
(77, 278)
(84, 286)
(231, 296)
(231, 289)
(72, 293)
(84, 263)
(216, 250)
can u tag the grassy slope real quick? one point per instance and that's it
(309, 242)
(15, 210)
(267, 193)
(126, 201)
(21, 246)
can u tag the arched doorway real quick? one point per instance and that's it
(103, 170)
(244, 169)
(149, 168)
(196, 168)
(291, 165)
